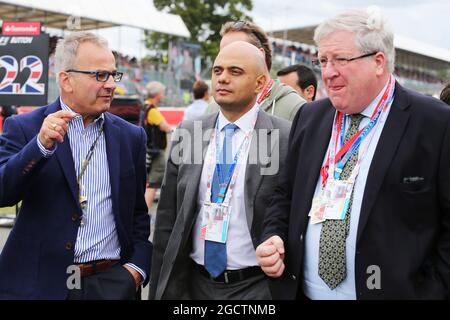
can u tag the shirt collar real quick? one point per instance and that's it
(100, 119)
(368, 111)
(245, 123)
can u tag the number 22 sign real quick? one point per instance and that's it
(24, 70)
(31, 85)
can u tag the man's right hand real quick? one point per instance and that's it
(270, 256)
(54, 128)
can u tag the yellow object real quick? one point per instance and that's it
(120, 91)
(154, 117)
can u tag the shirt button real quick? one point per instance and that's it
(301, 237)
(69, 246)
(294, 277)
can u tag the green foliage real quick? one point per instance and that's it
(203, 19)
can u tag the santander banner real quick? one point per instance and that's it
(21, 28)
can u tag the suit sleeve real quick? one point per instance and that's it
(142, 247)
(165, 217)
(443, 251)
(276, 220)
(20, 161)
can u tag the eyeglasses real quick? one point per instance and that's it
(240, 24)
(101, 76)
(322, 62)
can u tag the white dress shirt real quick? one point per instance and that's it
(313, 286)
(240, 250)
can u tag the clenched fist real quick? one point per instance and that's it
(270, 256)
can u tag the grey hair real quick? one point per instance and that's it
(372, 32)
(154, 87)
(66, 49)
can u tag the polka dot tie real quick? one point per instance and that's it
(332, 265)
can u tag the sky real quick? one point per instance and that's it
(422, 20)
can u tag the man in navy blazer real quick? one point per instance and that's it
(83, 228)
(393, 241)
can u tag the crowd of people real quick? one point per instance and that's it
(266, 191)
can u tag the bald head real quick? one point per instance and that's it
(250, 55)
(239, 74)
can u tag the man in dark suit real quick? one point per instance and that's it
(82, 231)
(363, 206)
(189, 262)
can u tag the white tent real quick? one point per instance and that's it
(89, 14)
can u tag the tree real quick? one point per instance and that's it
(203, 18)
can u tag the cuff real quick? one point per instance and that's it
(141, 272)
(46, 153)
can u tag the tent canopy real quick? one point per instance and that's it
(305, 35)
(88, 14)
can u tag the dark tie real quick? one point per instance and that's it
(332, 263)
(216, 252)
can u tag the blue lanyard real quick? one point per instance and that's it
(224, 183)
(341, 163)
(223, 187)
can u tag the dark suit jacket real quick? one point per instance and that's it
(34, 261)
(177, 208)
(404, 225)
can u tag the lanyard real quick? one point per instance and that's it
(266, 91)
(336, 161)
(88, 157)
(226, 188)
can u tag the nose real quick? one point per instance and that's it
(329, 71)
(110, 84)
(222, 77)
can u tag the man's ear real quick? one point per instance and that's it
(64, 82)
(309, 92)
(260, 83)
(380, 60)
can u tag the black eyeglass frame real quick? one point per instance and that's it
(116, 75)
(341, 61)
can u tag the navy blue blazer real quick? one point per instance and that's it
(34, 261)
(404, 223)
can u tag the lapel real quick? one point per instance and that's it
(64, 156)
(387, 145)
(195, 171)
(112, 135)
(254, 166)
(313, 161)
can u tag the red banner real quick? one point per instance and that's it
(21, 28)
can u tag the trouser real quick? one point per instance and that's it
(252, 288)
(115, 283)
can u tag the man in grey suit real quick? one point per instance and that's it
(212, 200)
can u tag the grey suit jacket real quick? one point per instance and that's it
(177, 208)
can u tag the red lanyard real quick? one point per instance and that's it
(337, 127)
(265, 91)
